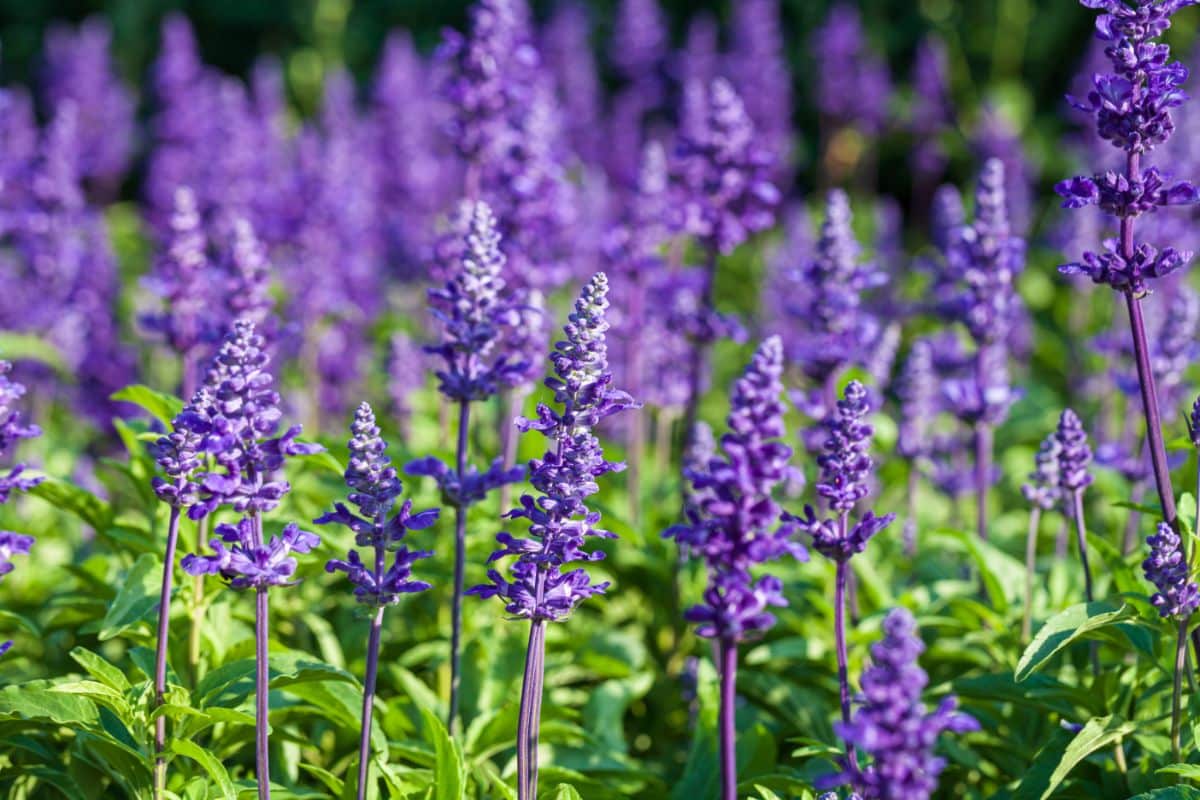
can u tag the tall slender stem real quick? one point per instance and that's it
(839, 638)
(728, 728)
(983, 476)
(1141, 352)
(262, 721)
(530, 720)
(1177, 689)
(364, 745)
(700, 352)
(160, 653)
(460, 560)
(1035, 518)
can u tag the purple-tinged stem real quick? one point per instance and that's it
(728, 728)
(839, 638)
(1035, 518)
(160, 653)
(983, 452)
(530, 720)
(262, 721)
(1141, 352)
(364, 745)
(460, 560)
(700, 352)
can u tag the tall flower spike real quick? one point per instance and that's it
(1044, 489)
(374, 489)
(473, 315)
(1166, 568)
(243, 414)
(724, 175)
(733, 520)
(918, 391)
(1074, 454)
(892, 725)
(853, 83)
(565, 476)
(12, 429)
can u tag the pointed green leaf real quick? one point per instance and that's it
(1065, 627)
(36, 702)
(27, 347)
(214, 768)
(100, 669)
(565, 791)
(163, 407)
(449, 770)
(75, 500)
(136, 600)
(1064, 752)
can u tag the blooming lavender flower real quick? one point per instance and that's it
(947, 217)
(640, 39)
(838, 331)
(182, 277)
(932, 110)
(892, 725)
(248, 295)
(1074, 454)
(243, 415)
(568, 54)
(1044, 489)
(918, 393)
(1166, 567)
(723, 175)
(242, 412)
(79, 70)
(734, 524)
(995, 136)
(1132, 104)
(374, 489)
(559, 520)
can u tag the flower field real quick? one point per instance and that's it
(591, 401)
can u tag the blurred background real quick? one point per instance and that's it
(1015, 57)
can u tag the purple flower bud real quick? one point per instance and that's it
(1044, 489)
(1166, 568)
(1074, 454)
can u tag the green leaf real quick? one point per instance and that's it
(136, 600)
(449, 769)
(565, 791)
(163, 407)
(1189, 772)
(1064, 628)
(214, 768)
(74, 500)
(35, 701)
(1170, 793)
(1063, 753)
(100, 693)
(332, 782)
(100, 669)
(996, 568)
(27, 347)
(323, 459)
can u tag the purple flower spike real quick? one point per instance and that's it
(243, 416)
(1074, 454)
(374, 489)
(853, 83)
(918, 391)
(559, 519)
(1044, 489)
(246, 562)
(12, 430)
(733, 521)
(892, 725)
(723, 175)
(846, 464)
(1166, 568)
(473, 315)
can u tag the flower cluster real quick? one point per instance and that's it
(984, 259)
(473, 315)
(1044, 489)
(559, 519)
(853, 83)
(243, 417)
(892, 725)
(1074, 453)
(12, 429)
(1166, 568)
(470, 489)
(837, 329)
(242, 557)
(845, 469)
(723, 175)
(918, 392)
(375, 488)
(733, 521)
(1132, 104)
(180, 453)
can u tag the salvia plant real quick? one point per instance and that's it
(826, 273)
